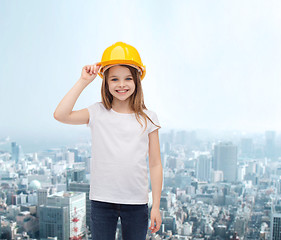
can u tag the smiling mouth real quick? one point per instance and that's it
(122, 91)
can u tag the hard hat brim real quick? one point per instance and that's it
(107, 64)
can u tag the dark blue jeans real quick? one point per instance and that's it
(104, 218)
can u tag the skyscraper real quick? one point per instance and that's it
(74, 175)
(42, 196)
(203, 167)
(15, 152)
(275, 222)
(83, 187)
(225, 159)
(54, 222)
(56, 218)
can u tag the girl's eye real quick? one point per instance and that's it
(113, 79)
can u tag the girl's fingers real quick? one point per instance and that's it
(152, 227)
(96, 68)
(158, 222)
(156, 228)
(92, 69)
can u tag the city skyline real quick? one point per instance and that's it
(209, 189)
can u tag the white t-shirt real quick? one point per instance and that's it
(119, 171)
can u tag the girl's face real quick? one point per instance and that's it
(120, 82)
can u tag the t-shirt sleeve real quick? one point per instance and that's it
(154, 118)
(93, 111)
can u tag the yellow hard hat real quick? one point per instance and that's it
(121, 53)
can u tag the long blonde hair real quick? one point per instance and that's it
(136, 101)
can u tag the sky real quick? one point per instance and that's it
(210, 64)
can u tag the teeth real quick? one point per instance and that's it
(123, 91)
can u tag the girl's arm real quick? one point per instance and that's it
(156, 177)
(155, 168)
(63, 112)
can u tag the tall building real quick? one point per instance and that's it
(83, 187)
(75, 151)
(15, 152)
(42, 196)
(203, 167)
(225, 159)
(275, 222)
(54, 222)
(63, 215)
(74, 175)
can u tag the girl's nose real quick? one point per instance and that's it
(122, 83)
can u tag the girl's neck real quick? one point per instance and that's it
(121, 107)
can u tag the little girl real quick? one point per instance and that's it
(123, 133)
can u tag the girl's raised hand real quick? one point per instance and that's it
(89, 72)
